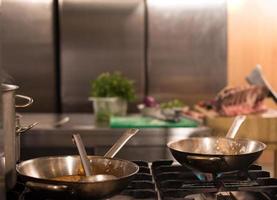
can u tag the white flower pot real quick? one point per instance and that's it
(105, 107)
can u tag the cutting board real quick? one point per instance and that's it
(148, 122)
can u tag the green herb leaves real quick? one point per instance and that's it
(113, 85)
(175, 103)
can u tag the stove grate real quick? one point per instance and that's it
(176, 182)
(168, 181)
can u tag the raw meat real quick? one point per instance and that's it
(237, 101)
(240, 100)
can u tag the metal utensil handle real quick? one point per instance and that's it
(235, 126)
(23, 129)
(120, 142)
(83, 154)
(29, 101)
(46, 186)
(61, 122)
(190, 157)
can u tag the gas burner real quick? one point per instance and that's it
(177, 182)
(229, 196)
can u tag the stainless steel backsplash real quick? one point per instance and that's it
(99, 36)
(2, 153)
(171, 48)
(28, 50)
(187, 49)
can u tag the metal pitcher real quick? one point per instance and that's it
(11, 132)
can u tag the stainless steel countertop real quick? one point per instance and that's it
(46, 134)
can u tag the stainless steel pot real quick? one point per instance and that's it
(38, 175)
(11, 137)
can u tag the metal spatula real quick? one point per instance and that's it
(77, 140)
(256, 77)
(86, 163)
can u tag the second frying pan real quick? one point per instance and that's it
(215, 154)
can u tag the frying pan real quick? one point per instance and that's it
(217, 154)
(40, 174)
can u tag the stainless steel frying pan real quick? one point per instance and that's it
(41, 174)
(216, 154)
(38, 175)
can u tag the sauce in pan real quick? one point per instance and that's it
(79, 178)
(68, 178)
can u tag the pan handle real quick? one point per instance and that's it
(190, 157)
(46, 186)
(121, 142)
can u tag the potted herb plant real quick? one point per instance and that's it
(110, 93)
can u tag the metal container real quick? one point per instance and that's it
(11, 137)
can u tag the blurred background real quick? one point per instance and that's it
(171, 49)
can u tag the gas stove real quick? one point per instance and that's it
(178, 182)
(166, 180)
